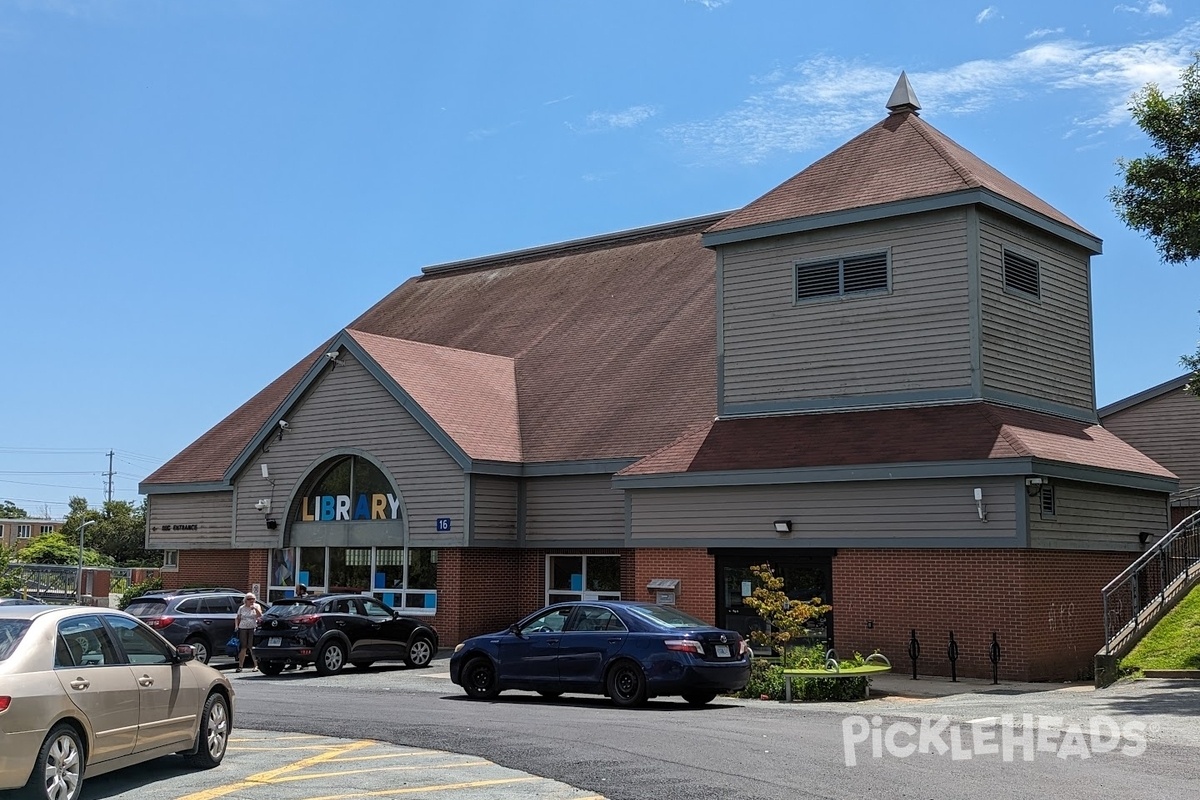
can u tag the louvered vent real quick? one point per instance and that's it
(864, 273)
(1021, 274)
(1047, 501)
(854, 275)
(817, 280)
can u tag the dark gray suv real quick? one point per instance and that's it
(203, 618)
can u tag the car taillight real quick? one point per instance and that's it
(741, 647)
(685, 646)
(4, 701)
(159, 622)
(307, 619)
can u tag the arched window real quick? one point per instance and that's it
(352, 489)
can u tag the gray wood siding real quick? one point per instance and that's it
(347, 408)
(1166, 428)
(584, 507)
(915, 338)
(211, 512)
(495, 514)
(1039, 349)
(1090, 517)
(889, 512)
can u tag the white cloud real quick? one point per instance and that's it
(1155, 8)
(1041, 33)
(988, 13)
(709, 4)
(823, 99)
(629, 118)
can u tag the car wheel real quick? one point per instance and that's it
(479, 679)
(200, 645)
(420, 652)
(699, 698)
(270, 667)
(58, 771)
(331, 658)
(213, 736)
(550, 695)
(362, 664)
(627, 684)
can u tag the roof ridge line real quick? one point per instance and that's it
(967, 176)
(662, 230)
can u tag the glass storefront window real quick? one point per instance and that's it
(312, 568)
(583, 578)
(349, 569)
(283, 567)
(389, 568)
(378, 571)
(422, 568)
(566, 572)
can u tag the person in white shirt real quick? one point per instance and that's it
(248, 615)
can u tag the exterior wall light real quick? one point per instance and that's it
(783, 526)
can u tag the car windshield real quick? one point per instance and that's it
(146, 608)
(297, 608)
(11, 631)
(667, 617)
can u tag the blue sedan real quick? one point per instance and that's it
(628, 651)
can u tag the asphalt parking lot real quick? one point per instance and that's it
(260, 765)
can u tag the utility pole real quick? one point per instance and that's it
(110, 475)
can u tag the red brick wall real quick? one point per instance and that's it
(695, 569)
(483, 590)
(237, 569)
(1043, 605)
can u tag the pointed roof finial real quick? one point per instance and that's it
(903, 97)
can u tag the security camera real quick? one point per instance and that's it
(263, 505)
(1034, 481)
(283, 423)
(332, 355)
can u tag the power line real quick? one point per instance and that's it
(29, 472)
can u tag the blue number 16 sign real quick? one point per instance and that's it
(443, 524)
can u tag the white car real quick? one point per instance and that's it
(84, 691)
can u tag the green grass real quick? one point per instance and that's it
(1174, 643)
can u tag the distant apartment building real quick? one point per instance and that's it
(20, 532)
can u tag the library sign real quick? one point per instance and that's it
(335, 507)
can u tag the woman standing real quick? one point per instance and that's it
(248, 616)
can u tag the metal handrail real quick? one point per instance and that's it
(1144, 587)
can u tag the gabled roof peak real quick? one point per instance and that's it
(903, 97)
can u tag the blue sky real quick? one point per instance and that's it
(195, 195)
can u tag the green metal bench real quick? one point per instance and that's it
(876, 663)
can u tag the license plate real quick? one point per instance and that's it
(275, 641)
(722, 651)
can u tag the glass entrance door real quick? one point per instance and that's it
(804, 577)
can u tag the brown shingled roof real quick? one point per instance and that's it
(902, 157)
(613, 346)
(471, 396)
(968, 432)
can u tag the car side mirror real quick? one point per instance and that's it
(184, 653)
(514, 629)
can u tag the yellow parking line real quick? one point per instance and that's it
(388, 755)
(281, 749)
(445, 787)
(308, 776)
(272, 775)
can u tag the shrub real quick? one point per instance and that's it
(766, 678)
(138, 589)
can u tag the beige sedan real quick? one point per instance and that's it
(91, 690)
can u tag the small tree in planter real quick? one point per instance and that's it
(787, 618)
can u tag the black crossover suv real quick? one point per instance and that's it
(203, 618)
(331, 630)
